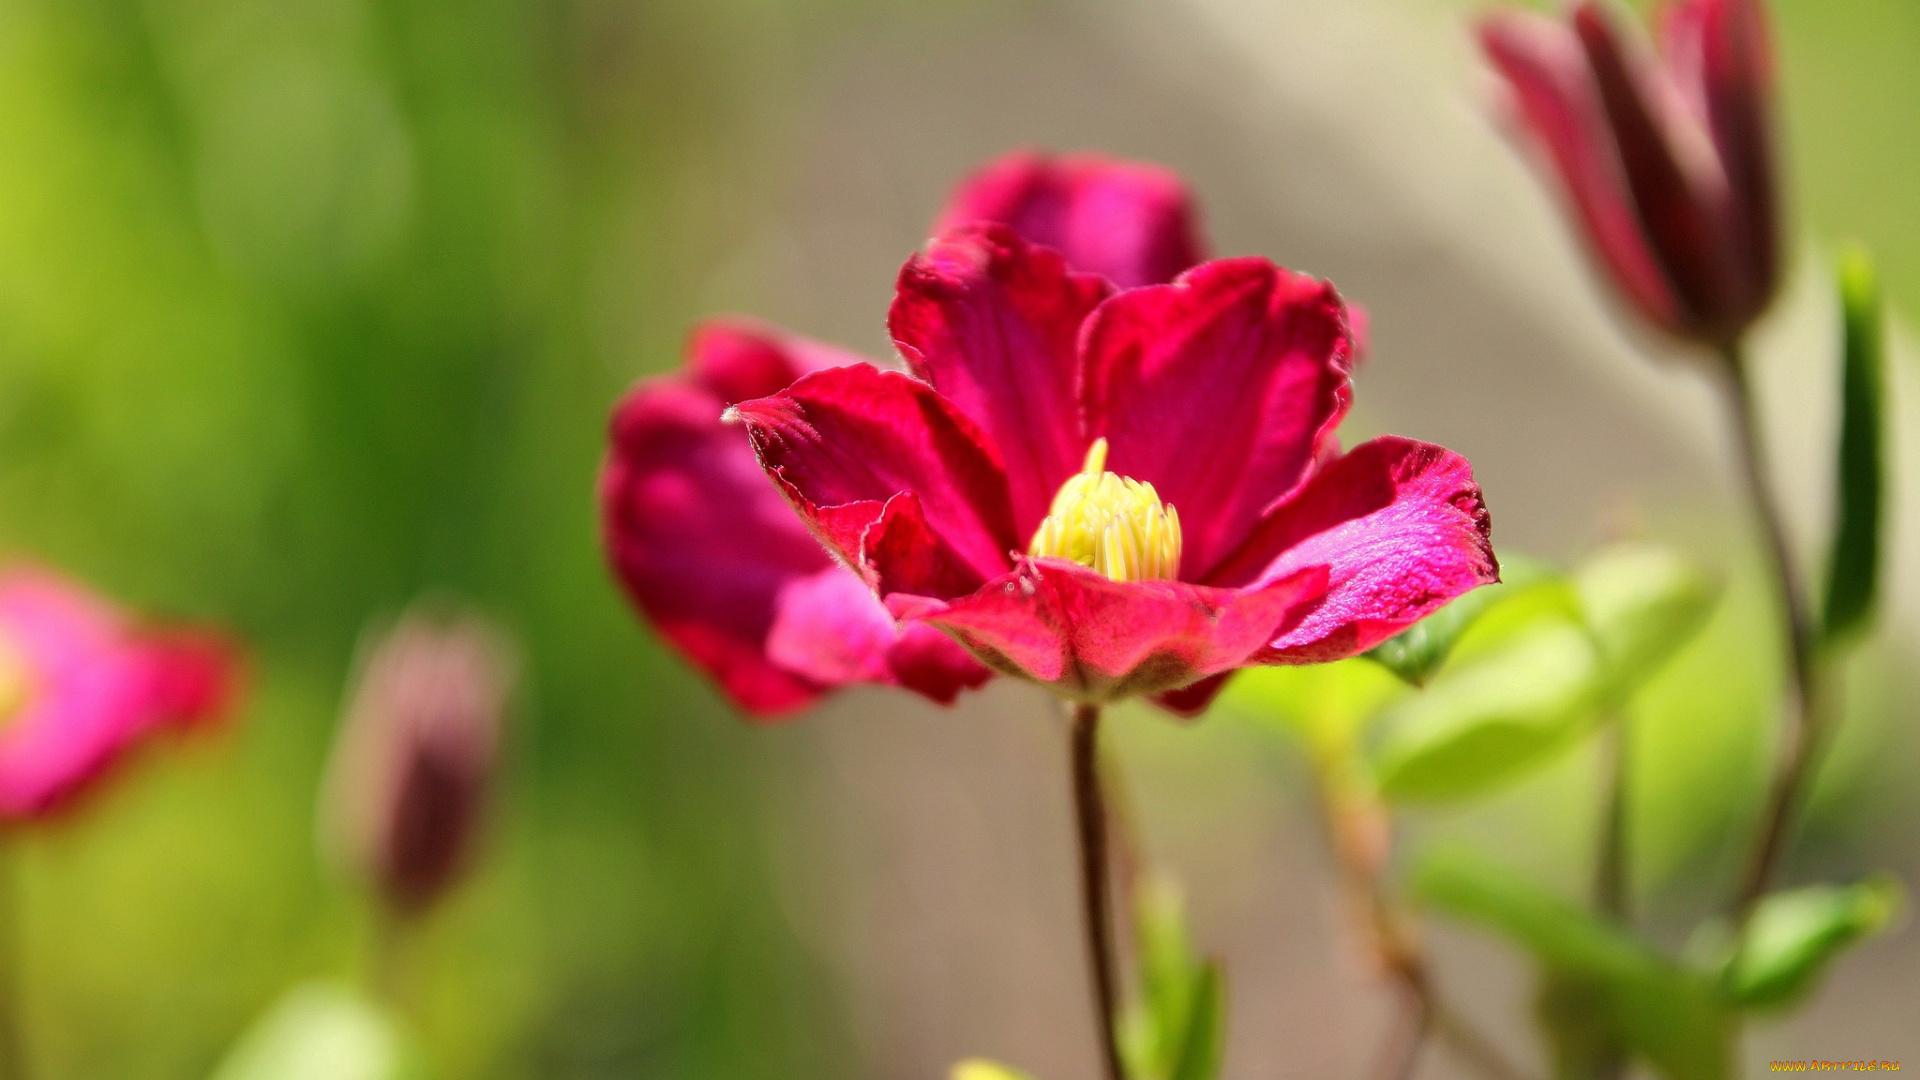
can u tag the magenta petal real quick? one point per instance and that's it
(930, 663)
(1060, 623)
(993, 323)
(197, 676)
(1543, 64)
(94, 689)
(702, 542)
(1681, 197)
(1401, 529)
(832, 629)
(1190, 701)
(842, 443)
(1130, 222)
(1218, 390)
(736, 358)
(1730, 55)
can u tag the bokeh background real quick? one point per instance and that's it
(312, 307)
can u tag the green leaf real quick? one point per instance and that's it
(1166, 958)
(1417, 652)
(323, 1031)
(1854, 568)
(1175, 1031)
(1792, 937)
(1323, 704)
(1487, 723)
(1205, 1038)
(982, 1069)
(1576, 1014)
(1642, 603)
(1668, 1014)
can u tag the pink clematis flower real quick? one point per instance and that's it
(83, 689)
(708, 549)
(1119, 492)
(1668, 161)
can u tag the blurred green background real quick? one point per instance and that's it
(311, 307)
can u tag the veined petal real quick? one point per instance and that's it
(1060, 623)
(736, 358)
(1218, 389)
(1670, 166)
(1720, 55)
(1552, 86)
(842, 443)
(993, 322)
(702, 542)
(1400, 528)
(1130, 222)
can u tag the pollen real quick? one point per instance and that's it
(1112, 524)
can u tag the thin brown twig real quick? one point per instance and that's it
(1095, 889)
(1801, 733)
(1357, 826)
(1469, 1044)
(1402, 1055)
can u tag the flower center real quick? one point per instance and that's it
(1113, 524)
(16, 684)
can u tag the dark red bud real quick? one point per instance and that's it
(417, 753)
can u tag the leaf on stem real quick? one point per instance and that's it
(1854, 563)
(1487, 723)
(1792, 937)
(1417, 652)
(1667, 1014)
(1643, 603)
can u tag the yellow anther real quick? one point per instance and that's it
(16, 684)
(1113, 524)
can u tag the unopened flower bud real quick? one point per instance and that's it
(416, 756)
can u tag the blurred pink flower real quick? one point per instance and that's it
(711, 553)
(81, 688)
(417, 753)
(1668, 160)
(1119, 492)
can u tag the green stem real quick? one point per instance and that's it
(386, 956)
(1610, 886)
(1096, 895)
(1800, 739)
(13, 1051)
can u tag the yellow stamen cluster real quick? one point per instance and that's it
(1113, 524)
(16, 684)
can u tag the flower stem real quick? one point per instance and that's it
(1800, 739)
(1415, 1022)
(386, 957)
(1096, 896)
(1610, 886)
(13, 1052)
(1356, 824)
